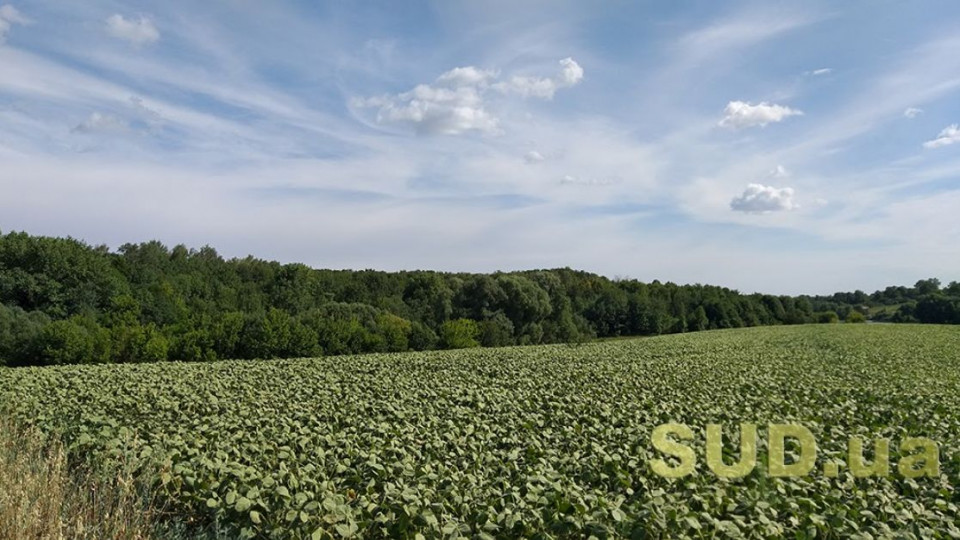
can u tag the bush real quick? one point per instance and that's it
(18, 333)
(72, 341)
(422, 338)
(395, 331)
(856, 317)
(459, 334)
(826, 317)
(496, 331)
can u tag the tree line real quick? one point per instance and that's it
(928, 301)
(63, 301)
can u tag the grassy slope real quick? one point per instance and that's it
(514, 441)
(43, 496)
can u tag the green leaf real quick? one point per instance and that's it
(243, 504)
(346, 530)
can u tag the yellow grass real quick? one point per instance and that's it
(42, 497)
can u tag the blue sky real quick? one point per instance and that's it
(800, 147)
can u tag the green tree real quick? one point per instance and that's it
(496, 331)
(395, 331)
(429, 298)
(459, 334)
(856, 317)
(826, 317)
(699, 320)
(19, 332)
(422, 338)
(927, 286)
(76, 340)
(192, 345)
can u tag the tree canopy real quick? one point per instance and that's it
(65, 302)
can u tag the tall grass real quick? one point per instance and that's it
(43, 497)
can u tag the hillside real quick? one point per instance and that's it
(526, 441)
(65, 302)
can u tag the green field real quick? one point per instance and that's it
(546, 441)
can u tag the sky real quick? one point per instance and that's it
(780, 147)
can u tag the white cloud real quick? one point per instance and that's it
(9, 16)
(533, 157)
(949, 135)
(572, 73)
(138, 32)
(779, 172)
(100, 122)
(740, 114)
(821, 71)
(760, 199)
(467, 76)
(456, 102)
(745, 29)
(657, 147)
(912, 112)
(544, 87)
(435, 110)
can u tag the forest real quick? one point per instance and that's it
(63, 301)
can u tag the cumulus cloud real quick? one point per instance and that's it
(761, 199)
(101, 122)
(741, 114)
(456, 102)
(912, 112)
(533, 157)
(9, 16)
(138, 32)
(544, 87)
(949, 135)
(433, 109)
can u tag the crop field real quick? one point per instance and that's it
(545, 442)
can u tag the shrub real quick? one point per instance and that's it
(459, 334)
(826, 317)
(856, 317)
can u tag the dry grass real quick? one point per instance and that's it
(43, 498)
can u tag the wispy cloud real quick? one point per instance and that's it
(739, 31)
(10, 16)
(139, 31)
(946, 137)
(578, 181)
(182, 140)
(101, 122)
(533, 157)
(779, 172)
(912, 112)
